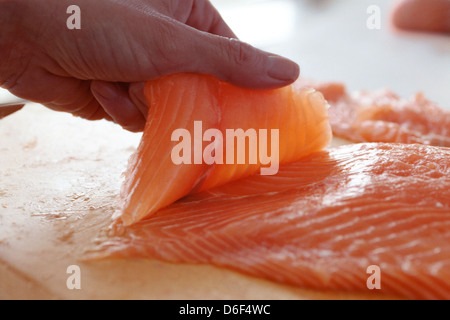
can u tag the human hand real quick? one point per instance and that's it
(424, 15)
(98, 72)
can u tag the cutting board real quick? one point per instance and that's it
(60, 177)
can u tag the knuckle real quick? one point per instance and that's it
(94, 114)
(241, 53)
(15, 83)
(168, 49)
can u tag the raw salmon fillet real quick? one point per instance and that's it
(154, 181)
(383, 116)
(319, 224)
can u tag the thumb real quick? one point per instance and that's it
(228, 59)
(244, 65)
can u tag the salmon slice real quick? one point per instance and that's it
(422, 15)
(318, 224)
(332, 91)
(382, 116)
(154, 180)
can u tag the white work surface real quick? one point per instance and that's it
(331, 41)
(60, 176)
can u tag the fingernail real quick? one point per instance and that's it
(283, 69)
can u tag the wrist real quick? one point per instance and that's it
(8, 27)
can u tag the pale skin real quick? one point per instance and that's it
(98, 72)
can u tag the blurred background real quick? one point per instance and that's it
(331, 41)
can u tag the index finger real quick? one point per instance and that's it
(205, 17)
